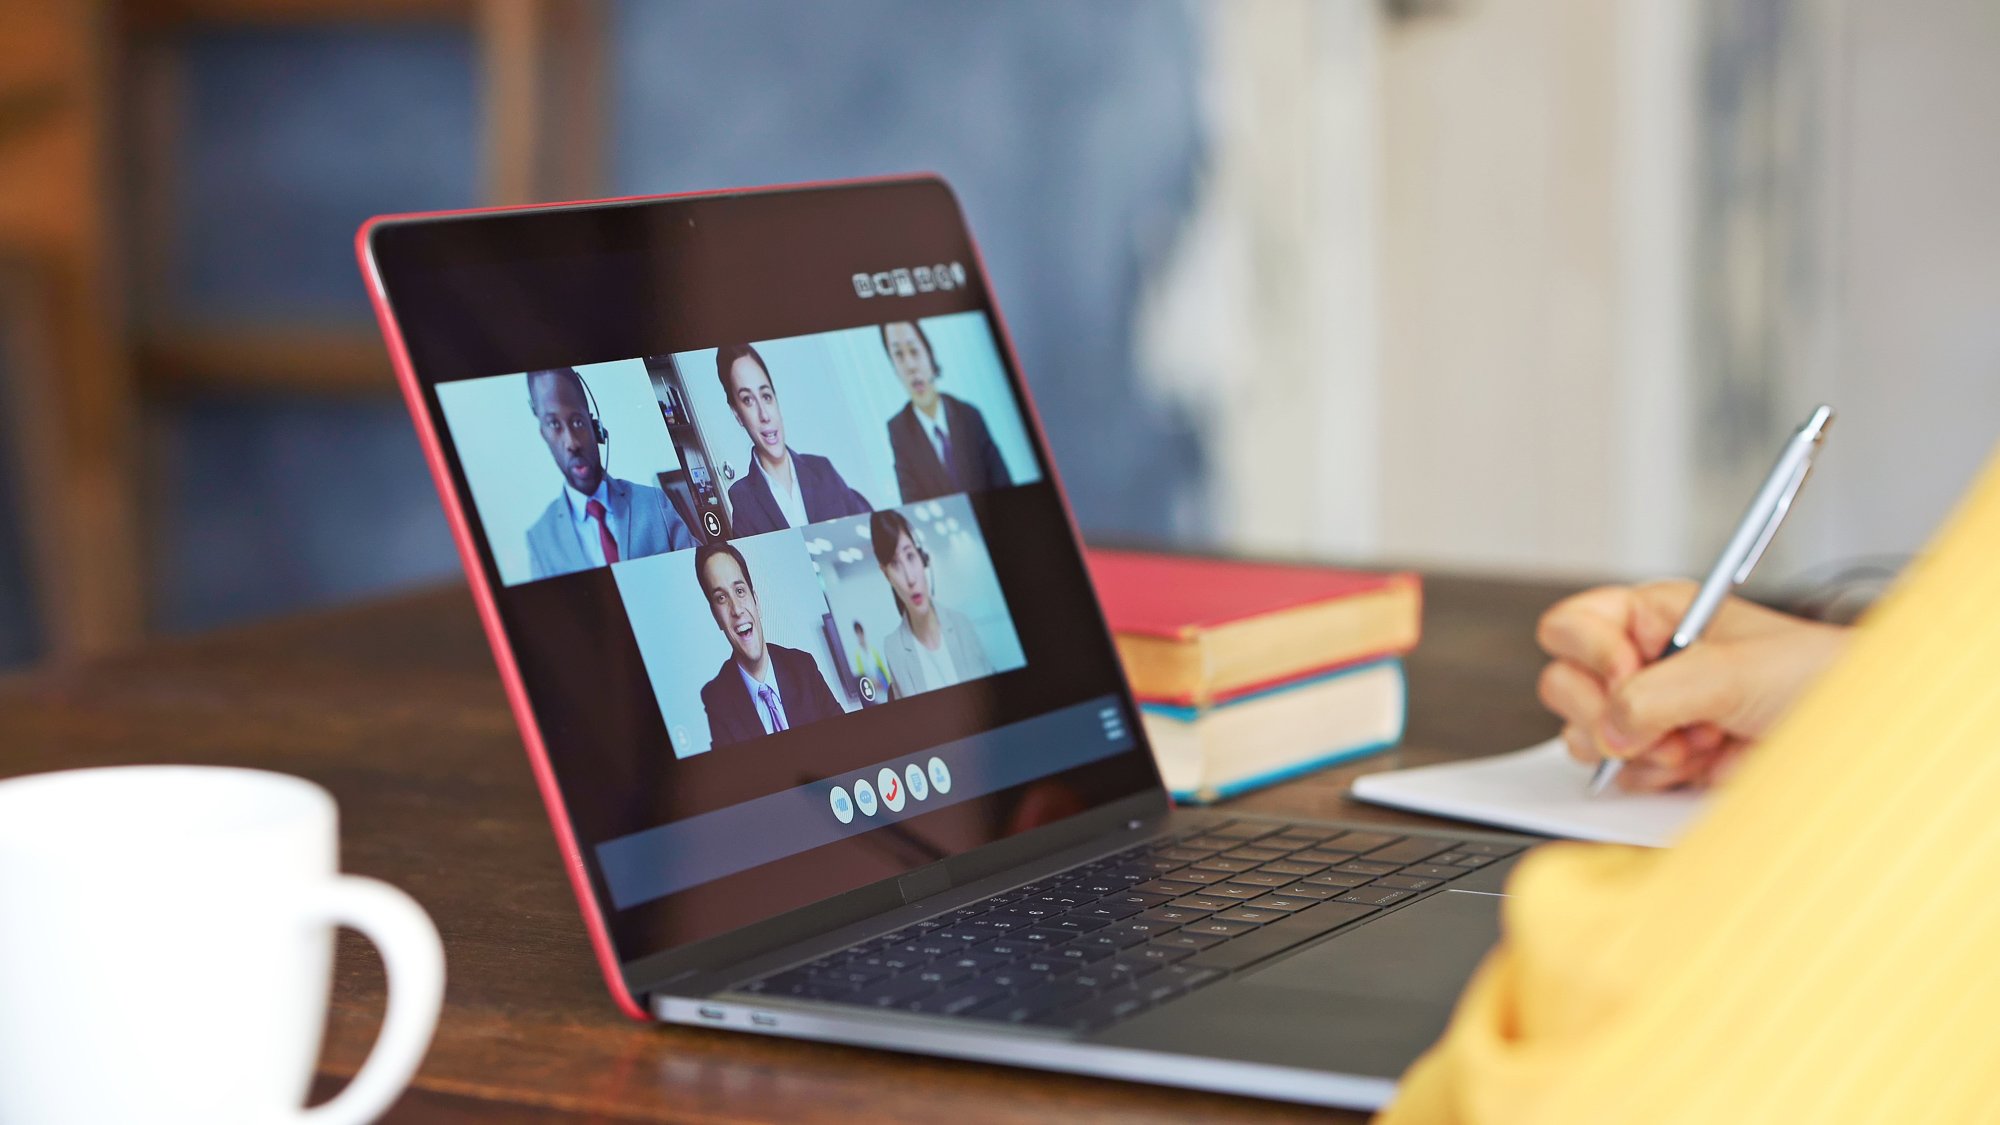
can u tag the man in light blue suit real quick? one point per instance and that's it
(598, 519)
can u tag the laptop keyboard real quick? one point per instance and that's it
(1109, 938)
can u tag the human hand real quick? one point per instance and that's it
(1681, 721)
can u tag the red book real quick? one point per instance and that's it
(1197, 631)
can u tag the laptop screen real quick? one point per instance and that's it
(794, 600)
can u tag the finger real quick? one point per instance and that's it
(1657, 609)
(1701, 685)
(1581, 745)
(1592, 630)
(1643, 777)
(1572, 693)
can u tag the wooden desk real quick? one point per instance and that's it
(394, 706)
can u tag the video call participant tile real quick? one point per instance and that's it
(915, 599)
(570, 468)
(766, 665)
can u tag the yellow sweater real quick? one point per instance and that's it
(1824, 946)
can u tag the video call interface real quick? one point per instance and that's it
(788, 521)
(774, 603)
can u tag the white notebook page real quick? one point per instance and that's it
(1539, 790)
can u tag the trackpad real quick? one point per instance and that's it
(1423, 952)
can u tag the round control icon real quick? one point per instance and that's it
(913, 779)
(711, 523)
(868, 689)
(864, 797)
(843, 805)
(940, 775)
(891, 786)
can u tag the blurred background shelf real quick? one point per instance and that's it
(91, 198)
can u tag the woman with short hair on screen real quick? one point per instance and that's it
(935, 646)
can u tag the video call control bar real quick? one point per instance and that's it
(673, 857)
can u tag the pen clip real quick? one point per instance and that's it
(1777, 518)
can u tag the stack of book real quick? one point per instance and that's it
(1250, 673)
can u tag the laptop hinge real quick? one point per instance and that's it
(924, 882)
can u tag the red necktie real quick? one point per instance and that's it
(595, 511)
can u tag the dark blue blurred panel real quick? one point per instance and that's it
(282, 504)
(293, 136)
(19, 640)
(1071, 131)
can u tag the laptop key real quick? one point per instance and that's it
(1258, 853)
(1224, 864)
(1166, 886)
(1075, 953)
(1074, 925)
(1364, 867)
(1153, 954)
(1362, 841)
(1034, 1002)
(1337, 879)
(1211, 843)
(1186, 854)
(1375, 896)
(1292, 867)
(1321, 855)
(1256, 916)
(1277, 937)
(1477, 847)
(1185, 939)
(1114, 940)
(1307, 889)
(1267, 879)
(954, 1001)
(1143, 900)
(894, 994)
(1406, 883)
(1173, 980)
(1196, 874)
(1218, 927)
(1105, 909)
(1236, 890)
(1017, 979)
(1416, 849)
(1039, 935)
(1202, 901)
(1463, 859)
(1173, 915)
(1434, 871)
(1286, 902)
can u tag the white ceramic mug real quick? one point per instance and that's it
(166, 951)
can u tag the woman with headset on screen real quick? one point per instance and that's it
(935, 646)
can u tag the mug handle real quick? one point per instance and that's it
(413, 956)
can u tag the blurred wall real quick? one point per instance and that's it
(1914, 334)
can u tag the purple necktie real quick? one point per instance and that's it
(944, 454)
(770, 699)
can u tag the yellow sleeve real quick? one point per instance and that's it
(1823, 946)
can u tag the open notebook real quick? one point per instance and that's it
(1539, 790)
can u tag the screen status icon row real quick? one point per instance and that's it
(890, 790)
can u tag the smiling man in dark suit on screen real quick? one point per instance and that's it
(940, 443)
(762, 688)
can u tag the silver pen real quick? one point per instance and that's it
(1753, 534)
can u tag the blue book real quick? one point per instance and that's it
(1216, 752)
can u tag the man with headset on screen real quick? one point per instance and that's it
(762, 688)
(597, 519)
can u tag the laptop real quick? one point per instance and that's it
(794, 620)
